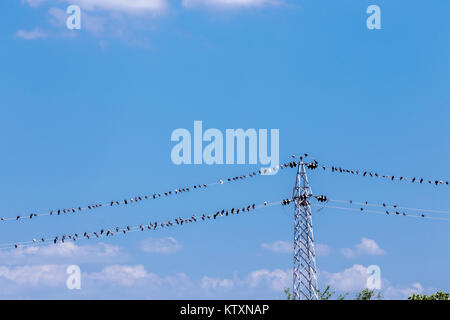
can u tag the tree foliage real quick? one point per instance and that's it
(440, 295)
(366, 294)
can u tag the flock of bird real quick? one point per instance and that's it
(107, 232)
(179, 221)
(136, 199)
(152, 225)
(365, 173)
(389, 208)
(313, 165)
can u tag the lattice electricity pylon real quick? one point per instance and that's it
(305, 276)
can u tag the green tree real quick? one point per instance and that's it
(440, 295)
(367, 294)
(288, 294)
(326, 293)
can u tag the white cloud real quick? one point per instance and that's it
(47, 275)
(398, 292)
(286, 247)
(323, 249)
(32, 34)
(277, 279)
(354, 279)
(67, 252)
(124, 275)
(92, 23)
(160, 245)
(229, 4)
(34, 3)
(127, 6)
(135, 281)
(215, 283)
(351, 279)
(365, 247)
(278, 247)
(48, 281)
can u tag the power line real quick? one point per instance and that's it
(384, 205)
(109, 232)
(374, 174)
(136, 199)
(362, 210)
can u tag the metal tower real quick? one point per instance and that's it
(305, 276)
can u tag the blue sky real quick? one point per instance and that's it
(87, 116)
